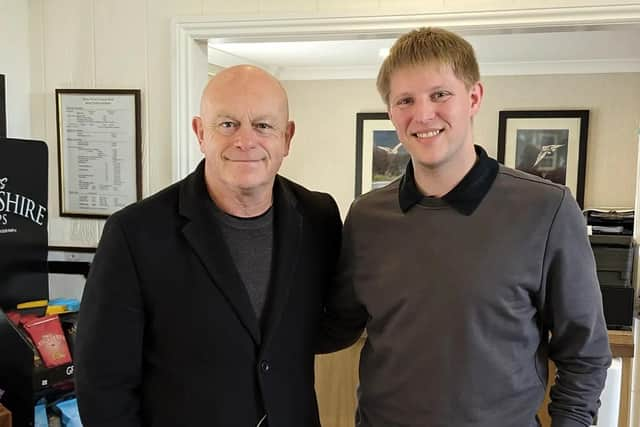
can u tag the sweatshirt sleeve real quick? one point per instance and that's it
(344, 317)
(579, 344)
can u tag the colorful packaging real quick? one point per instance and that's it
(70, 304)
(46, 333)
(55, 309)
(69, 323)
(40, 415)
(70, 413)
(37, 307)
(18, 321)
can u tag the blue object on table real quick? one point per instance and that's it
(40, 415)
(70, 413)
(71, 304)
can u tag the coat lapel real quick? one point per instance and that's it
(207, 241)
(288, 227)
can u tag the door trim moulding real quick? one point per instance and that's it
(191, 34)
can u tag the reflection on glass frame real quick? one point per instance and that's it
(380, 157)
(99, 144)
(549, 144)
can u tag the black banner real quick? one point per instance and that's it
(3, 109)
(23, 221)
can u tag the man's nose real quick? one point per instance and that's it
(245, 138)
(424, 109)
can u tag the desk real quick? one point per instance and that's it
(337, 378)
(621, 343)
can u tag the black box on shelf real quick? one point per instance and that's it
(614, 256)
(610, 221)
(617, 302)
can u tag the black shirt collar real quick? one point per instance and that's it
(466, 196)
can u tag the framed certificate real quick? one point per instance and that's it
(99, 144)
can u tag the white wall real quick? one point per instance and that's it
(14, 64)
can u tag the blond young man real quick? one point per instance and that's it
(467, 275)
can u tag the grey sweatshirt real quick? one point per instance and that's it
(462, 311)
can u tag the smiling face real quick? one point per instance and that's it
(432, 112)
(243, 131)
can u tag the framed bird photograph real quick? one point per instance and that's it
(551, 144)
(380, 157)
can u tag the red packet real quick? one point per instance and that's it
(18, 318)
(46, 333)
(14, 316)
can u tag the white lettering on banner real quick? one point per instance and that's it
(18, 204)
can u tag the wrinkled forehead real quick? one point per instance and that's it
(246, 109)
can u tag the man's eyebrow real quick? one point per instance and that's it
(264, 117)
(224, 116)
(402, 94)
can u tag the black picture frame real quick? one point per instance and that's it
(122, 160)
(3, 108)
(551, 144)
(380, 157)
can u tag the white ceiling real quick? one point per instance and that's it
(592, 51)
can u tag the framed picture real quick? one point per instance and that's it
(380, 157)
(549, 144)
(99, 145)
(3, 109)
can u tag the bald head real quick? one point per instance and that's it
(244, 132)
(253, 81)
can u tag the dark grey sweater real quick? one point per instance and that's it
(250, 242)
(460, 308)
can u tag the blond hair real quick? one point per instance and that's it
(427, 46)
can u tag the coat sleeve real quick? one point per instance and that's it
(344, 317)
(110, 336)
(579, 344)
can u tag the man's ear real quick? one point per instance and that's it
(288, 135)
(198, 129)
(476, 93)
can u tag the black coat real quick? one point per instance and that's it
(167, 335)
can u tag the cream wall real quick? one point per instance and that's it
(127, 44)
(323, 151)
(14, 64)
(614, 104)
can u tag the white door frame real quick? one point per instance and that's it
(190, 36)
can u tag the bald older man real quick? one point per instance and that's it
(203, 300)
